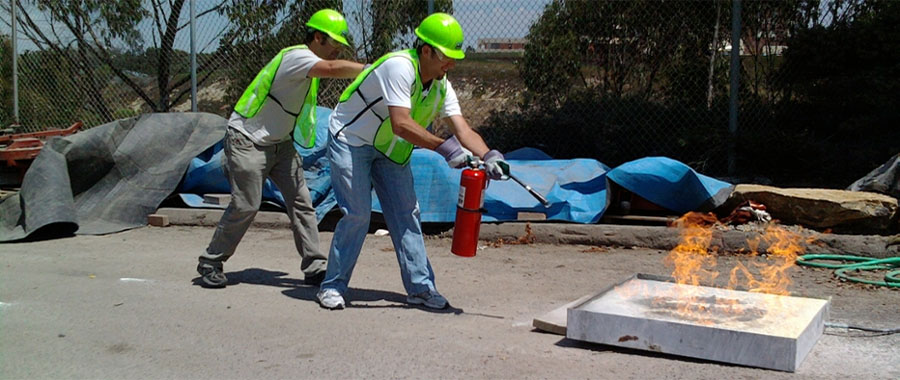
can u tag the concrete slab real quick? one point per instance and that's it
(754, 329)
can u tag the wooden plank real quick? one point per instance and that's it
(217, 199)
(158, 220)
(639, 219)
(531, 216)
(554, 321)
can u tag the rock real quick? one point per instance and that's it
(840, 210)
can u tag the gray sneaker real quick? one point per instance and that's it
(212, 275)
(430, 299)
(330, 299)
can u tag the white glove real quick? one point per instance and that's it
(453, 152)
(495, 166)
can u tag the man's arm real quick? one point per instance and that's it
(494, 164)
(337, 68)
(467, 136)
(403, 125)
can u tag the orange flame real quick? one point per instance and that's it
(783, 248)
(694, 264)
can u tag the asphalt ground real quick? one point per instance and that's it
(127, 305)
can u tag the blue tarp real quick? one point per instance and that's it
(671, 184)
(575, 188)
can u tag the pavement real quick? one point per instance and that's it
(127, 305)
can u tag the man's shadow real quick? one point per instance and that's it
(295, 288)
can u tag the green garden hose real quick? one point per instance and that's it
(891, 279)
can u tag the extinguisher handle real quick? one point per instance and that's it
(531, 191)
(474, 162)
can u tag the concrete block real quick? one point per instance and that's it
(158, 220)
(752, 329)
(217, 199)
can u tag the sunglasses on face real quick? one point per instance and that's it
(333, 42)
(440, 56)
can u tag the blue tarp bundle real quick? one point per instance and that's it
(671, 184)
(576, 188)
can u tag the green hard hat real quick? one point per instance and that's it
(443, 32)
(330, 22)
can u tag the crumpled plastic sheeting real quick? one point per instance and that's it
(575, 188)
(671, 184)
(885, 179)
(108, 178)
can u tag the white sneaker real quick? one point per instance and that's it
(330, 299)
(430, 299)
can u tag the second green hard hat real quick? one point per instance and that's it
(331, 22)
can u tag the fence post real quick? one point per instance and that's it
(430, 6)
(15, 65)
(194, 100)
(735, 76)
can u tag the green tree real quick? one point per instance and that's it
(388, 21)
(619, 48)
(840, 118)
(98, 30)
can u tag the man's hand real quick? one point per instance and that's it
(495, 166)
(453, 152)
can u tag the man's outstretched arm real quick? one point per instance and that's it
(337, 68)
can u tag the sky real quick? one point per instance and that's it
(479, 19)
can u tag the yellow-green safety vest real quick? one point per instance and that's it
(257, 92)
(424, 109)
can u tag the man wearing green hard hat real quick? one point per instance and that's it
(372, 131)
(277, 109)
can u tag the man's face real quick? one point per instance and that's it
(330, 47)
(434, 63)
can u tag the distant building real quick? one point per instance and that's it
(501, 45)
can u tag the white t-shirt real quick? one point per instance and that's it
(273, 124)
(390, 84)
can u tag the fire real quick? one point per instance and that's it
(783, 248)
(694, 264)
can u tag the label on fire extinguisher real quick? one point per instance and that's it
(462, 198)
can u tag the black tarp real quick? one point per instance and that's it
(885, 179)
(108, 178)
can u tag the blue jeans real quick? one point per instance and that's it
(354, 172)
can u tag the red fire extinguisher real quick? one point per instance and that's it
(468, 211)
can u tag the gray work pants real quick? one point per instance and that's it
(247, 165)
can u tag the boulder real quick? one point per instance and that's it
(839, 210)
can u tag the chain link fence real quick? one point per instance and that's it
(611, 80)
